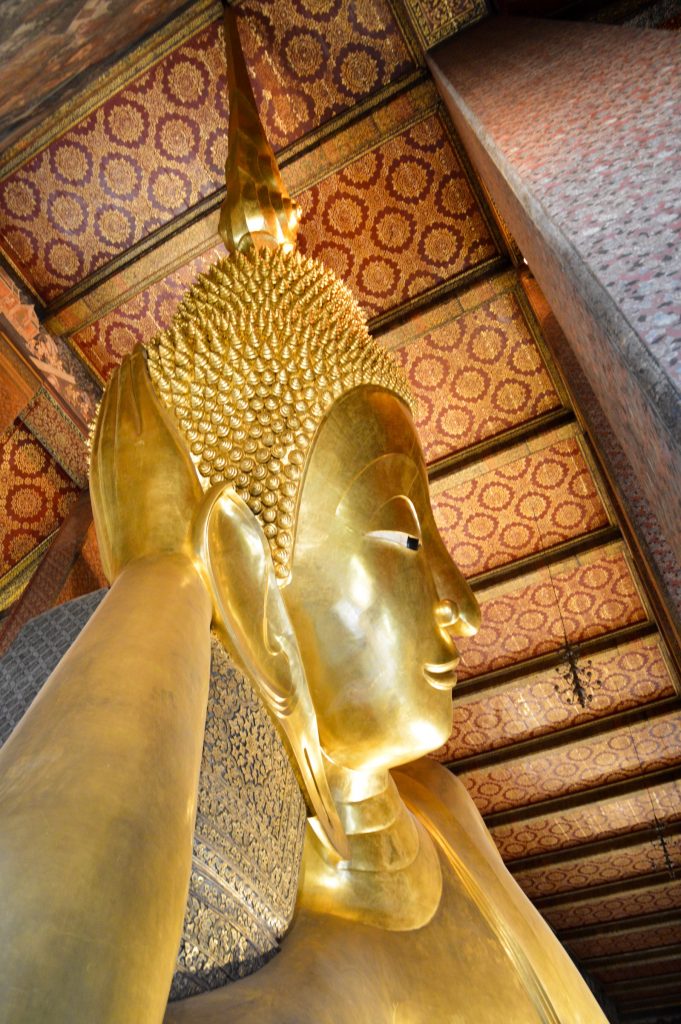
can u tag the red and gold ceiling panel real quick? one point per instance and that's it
(628, 676)
(616, 908)
(474, 374)
(536, 495)
(588, 595)
(158, 146)
(399, 221)
(607, 818)
(626, 942)
(622, 754)
(104, 343)
(615, 865)
(35, 495)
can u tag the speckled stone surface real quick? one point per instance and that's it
(583, 156)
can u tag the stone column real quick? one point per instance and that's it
(574, 128)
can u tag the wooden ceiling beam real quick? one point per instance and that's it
(634, 956)
(545, 558)
(673, 979)
(583, 797)
(477, 685)
(625, 924)
(558, 738)
(528, 430)
(599, 892)
(595, 848)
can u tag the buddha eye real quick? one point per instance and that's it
(403, 540)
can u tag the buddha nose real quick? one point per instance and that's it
(446, 613)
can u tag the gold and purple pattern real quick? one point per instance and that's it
(474, 374)
(627, 677)
(528, 499)
(158, 146)
(588, 595)
(603, 820)
(622, 754)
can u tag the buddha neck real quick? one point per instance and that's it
(392, 878)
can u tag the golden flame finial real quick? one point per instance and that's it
(257, 212)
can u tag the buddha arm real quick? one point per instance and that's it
(98, 791)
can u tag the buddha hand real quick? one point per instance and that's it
(144, 488)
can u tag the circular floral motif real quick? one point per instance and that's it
(453, 197)
(511, 395)
(358, 69)
(177, 137)
(440, 244)
(367, 19)
(256, 32)
(21, 199)
(63, 259)
(427, 136)
(126, 122)
(471, 384)
(428, 371)
(345, 215)
(114, 226)
(305, 54)
(409, 179)
(70, 162)
(393, 229)
(336, 257)
(486, 344)
(185, 81)
(363, 172)
(216, 153)
(120, 176)
(120, 338)
(169, 190)
(455, 421)
(378, 276)
(27, 459)
(67, 212)
(26, 502)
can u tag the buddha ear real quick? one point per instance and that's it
(249, 612)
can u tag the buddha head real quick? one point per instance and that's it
(281, 393)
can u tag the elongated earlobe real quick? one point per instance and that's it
(251, 615)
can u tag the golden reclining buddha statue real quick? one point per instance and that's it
(258, 471)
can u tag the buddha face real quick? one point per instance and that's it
(374, 597)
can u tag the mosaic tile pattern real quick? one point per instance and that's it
(626, 677)
(626, 942)
(611, 909)
(474, 375)
(608, 818)
(531, 500)
(398, 221)
(595, 594)
(35, 495)
(599, 869)
(140, 159)
(435, 20)
(623, 754)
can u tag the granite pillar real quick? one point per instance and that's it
(574, 128)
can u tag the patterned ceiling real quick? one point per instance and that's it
(108, 209)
